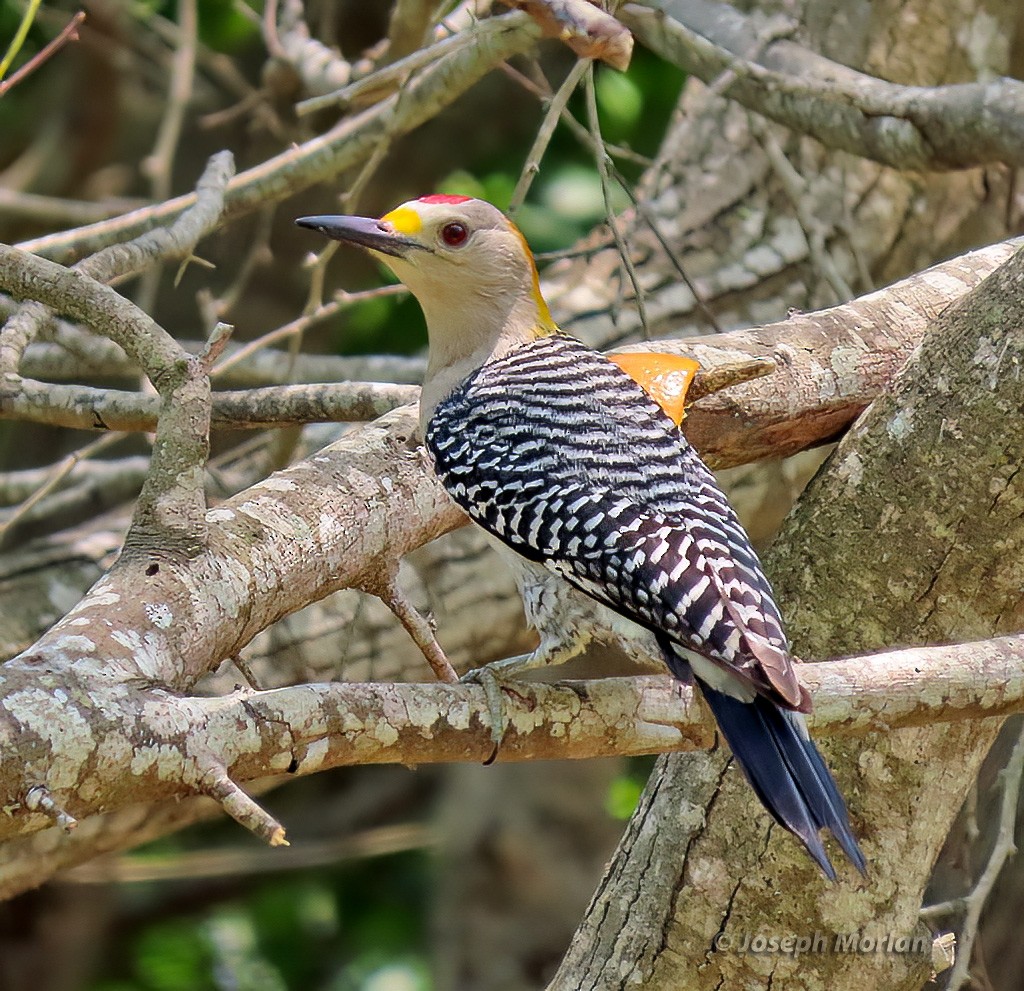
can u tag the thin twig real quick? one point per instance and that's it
(648, 218)
(586, 138)
(1003, 848)
(69, 33)
(159, 166)
(250, 861)
(160, 162)
(57, 474)
(348, 143)
(56, 210)
(133, 256)
(258, 253)
(269, 26)
(300, 325)
(19, 36)
(416, 624)
(601, 156)
(795, 187)
(385, 80)
(552, 115)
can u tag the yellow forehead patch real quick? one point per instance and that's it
(404, 219)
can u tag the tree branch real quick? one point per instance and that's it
(348, 143)
(899, 539)
(336, 521)
(158, 746)
(86, 408)
(175, 241)
(907, 127)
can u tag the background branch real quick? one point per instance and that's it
(909, 127)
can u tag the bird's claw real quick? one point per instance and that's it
(492, 685)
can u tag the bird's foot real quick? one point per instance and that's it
(492, 678)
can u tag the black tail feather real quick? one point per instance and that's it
(787, 772)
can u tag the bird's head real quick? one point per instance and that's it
(467, 264)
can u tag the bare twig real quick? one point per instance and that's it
(160, 163)
(257, 254)
(795, 187)
(39, 799)
(249, 860)
(69, 33)
(386, 80)
(119, 259)
(601, 156)
(57, 211)
(1003, 848)
(351, 141)
(587, 138)
(55, 476)
(547, 128)
(159, 166)
(19, 36)
(416, 624)
(91, 488)
(82, 354)
(215, 782)
(300, 325)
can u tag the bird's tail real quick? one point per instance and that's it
(786, 771)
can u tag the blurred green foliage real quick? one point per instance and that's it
(354, 927)
(625, 789)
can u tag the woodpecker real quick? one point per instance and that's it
(613, 526)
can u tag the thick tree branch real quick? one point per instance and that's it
(900, 539)
(158, 746)
(907, 127)
(171, 507)
(829, 365)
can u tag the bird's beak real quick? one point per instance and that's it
(377, 235)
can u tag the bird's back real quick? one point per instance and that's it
(557, 452)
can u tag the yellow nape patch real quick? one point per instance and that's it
(546, 323)
(404, 220)
(665, 378)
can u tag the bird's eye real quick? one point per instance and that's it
(454, 234)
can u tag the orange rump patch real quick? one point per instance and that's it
(665, 378)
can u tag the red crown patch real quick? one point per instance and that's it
(444, 198)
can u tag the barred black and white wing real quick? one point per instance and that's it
(559, 454)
